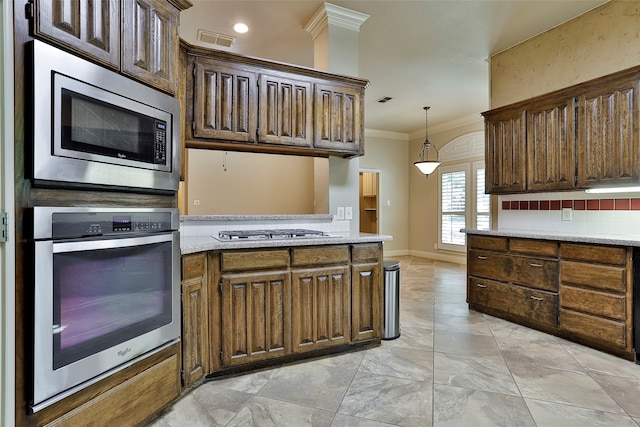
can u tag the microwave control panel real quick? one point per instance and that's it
(160, 143)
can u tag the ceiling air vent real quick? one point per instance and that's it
(384, 99)
(216, 39)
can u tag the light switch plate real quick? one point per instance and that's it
(348, 212)
(340, 212)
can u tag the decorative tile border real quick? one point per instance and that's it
(578, 205)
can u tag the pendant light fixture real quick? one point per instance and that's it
(425, 165)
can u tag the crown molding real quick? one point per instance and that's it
(335, 15)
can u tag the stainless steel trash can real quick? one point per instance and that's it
(391, 299)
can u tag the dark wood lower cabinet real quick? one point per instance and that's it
(366, 302)
(582, 292)
(321, 308)
(256, 313)
(260, 306)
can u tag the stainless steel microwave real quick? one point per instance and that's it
(94, 127)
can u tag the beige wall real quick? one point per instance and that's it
(251, 184)
(423, 196)
(599, 42)
(386, 153)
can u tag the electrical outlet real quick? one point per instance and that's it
(567, 214)
(196, 202)
(340, 212)
(348, 213)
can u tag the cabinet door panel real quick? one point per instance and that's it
(505, 152)
(321, 308)
(149, 43)
(607, 126)
(551, 157)
(338, 117)
(225, 102)
(255, 316)
(286, 107)
(195, 331)
(89, 27)
(366, 300)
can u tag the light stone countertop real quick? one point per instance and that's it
(189, 245)
(602, 239)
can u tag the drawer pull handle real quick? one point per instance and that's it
(480, 285)
(537, 298)
(535, 265)
(482, 257)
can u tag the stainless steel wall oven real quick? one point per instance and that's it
(92, 126)
(106, 293)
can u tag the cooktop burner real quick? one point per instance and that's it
(295, 233)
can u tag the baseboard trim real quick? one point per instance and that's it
(446, 257)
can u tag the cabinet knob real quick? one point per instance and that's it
(537, 298)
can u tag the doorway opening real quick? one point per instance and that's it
(369, 184)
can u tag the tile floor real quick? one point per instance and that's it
(450, 367)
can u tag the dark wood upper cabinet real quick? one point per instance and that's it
(286, 107)
(608, 149)
(338, 117)
(90, 28)
(138, 38)
(505, 151)
(234, 102)
(225, 101)
(150, 41)
(579, 137)
(551, 147)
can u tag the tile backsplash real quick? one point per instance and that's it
(572, 212)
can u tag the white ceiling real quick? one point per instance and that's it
(420, 52)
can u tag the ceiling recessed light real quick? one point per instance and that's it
(240, 28)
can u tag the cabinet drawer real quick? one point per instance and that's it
(593, 302)
(605, 331)
(599, 254)
(488, 243)
(320, 255)
(534, 272)
(365, 253)
(530, 304)
(534, 247)
(254, 260)
(594, 276)
(193, 265)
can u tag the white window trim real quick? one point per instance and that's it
(448, 169)
(474, 200)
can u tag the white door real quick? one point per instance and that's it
(7, 250)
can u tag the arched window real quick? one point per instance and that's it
(462, 202)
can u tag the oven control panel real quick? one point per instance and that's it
(104, 223)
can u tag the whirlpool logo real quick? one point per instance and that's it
(122, 156)
(123, 353)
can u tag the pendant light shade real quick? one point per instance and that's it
(425, 165)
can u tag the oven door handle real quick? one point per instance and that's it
(111, 243)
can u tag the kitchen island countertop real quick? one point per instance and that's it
(598, 239)
(189, 245)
